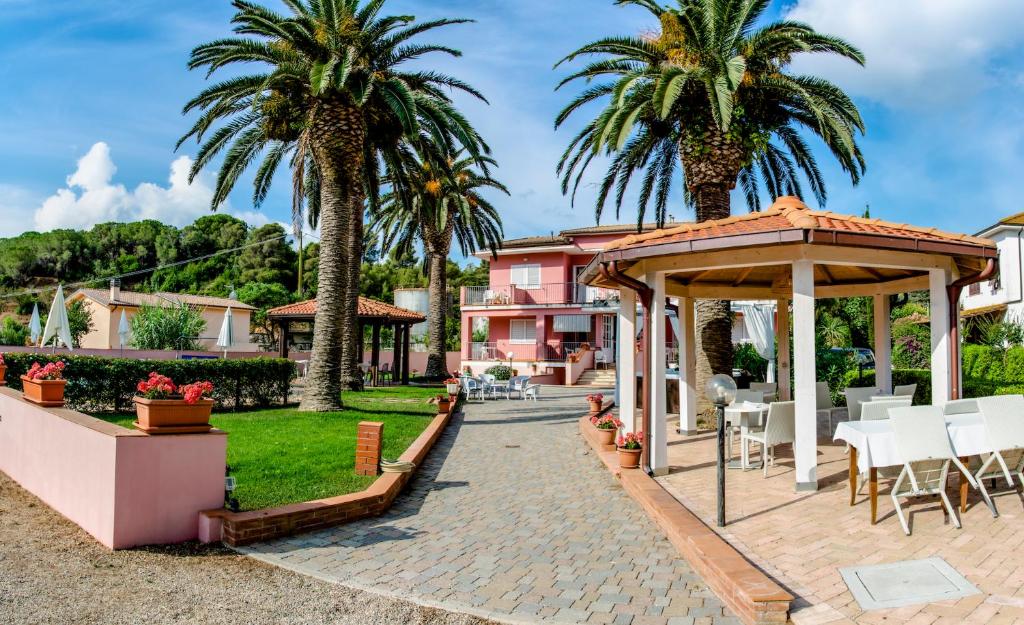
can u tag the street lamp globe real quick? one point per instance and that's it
(720, 389)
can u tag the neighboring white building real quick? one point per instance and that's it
(1002, 296)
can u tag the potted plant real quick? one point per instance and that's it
(607, 427)
(164, 408)
(44, 384)
(452, 386)
(629, 447)
(444, 403)
(3, 371)
(595, 399)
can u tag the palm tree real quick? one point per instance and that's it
(710, 92)
(332, 97)
(441, 202)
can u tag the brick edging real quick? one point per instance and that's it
(753, 596)
(243, 528)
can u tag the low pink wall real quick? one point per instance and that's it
(122, 486)
(142, 354)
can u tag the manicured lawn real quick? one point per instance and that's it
(286, 456)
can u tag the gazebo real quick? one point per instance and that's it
(297, 318)
(791, 255)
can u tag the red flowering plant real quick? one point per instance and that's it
(192, 393)
(607, 422)
(452, 380)
(595, 397)
(631, 440)
(2, 363)
(51, 371)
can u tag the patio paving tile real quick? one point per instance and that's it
(511, 516)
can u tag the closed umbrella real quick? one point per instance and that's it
(35, 328)
(57, 326)
(123, 329)
(226, 337)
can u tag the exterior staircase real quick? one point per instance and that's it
(598, 378)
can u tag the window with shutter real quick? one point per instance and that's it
(526, 276)
(523, 331)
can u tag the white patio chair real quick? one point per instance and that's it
(825, 407)
(600, 358)
(879, 408)
(486, 381)
(960, 406)
(779, 428)
(769, 389)
(472, 386)
(904, 390)
(517, 384)
(531, 391)
(1004, 425)
(742, 395)
(923, 443)
(855, 397)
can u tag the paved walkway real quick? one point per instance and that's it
(510, 518)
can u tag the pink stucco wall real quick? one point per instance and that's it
(141, 354)
(123, 487)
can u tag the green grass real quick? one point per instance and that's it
(285, 456)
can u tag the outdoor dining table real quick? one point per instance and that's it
(873, 444)
(746, 415)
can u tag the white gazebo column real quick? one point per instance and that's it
(805, 449)
(625, 361)
(658, 454)
(687, 368)
(782, 371)
(883, 344)
(939, 314)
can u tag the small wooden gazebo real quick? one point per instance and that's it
(297, 319)
(788, 254)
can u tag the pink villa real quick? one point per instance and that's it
(534, 314)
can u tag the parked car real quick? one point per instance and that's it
(862, 356)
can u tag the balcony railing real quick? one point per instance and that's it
(541, 294)
(551, 351)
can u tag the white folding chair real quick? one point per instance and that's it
(779, 428)
(1004, 425)
(827, 409)
(904, 390)
(856, 396)
(923, 443)
(769, 389)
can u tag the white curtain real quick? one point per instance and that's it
(760, 322)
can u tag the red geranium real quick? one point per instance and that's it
(631, 440)
(607, 422)
(598, 397)
(157, 387)
(51, 371)
(196, 391)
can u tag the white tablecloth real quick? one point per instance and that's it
(876, 443)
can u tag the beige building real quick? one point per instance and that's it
(106, 307)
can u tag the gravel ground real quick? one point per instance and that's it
(53, 572)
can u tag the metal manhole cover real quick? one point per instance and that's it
(911, 582)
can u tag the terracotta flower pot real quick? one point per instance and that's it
(629, 458)
(443, 406)
(3, 375)
(172, 416)
(43, 392)
(606, 437)
(595, 406)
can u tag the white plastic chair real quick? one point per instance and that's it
(531, 391)
(856, 396)
(904, 390)
(1004, 424)
(923, 443)
(769, 389)
(600, 358)
(779, 428)
(472, 386)
(517, 384)
(825, 407)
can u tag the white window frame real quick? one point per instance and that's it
(525, 284)
(523, 324)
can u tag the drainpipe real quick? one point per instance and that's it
(610, 271)
(954, 291)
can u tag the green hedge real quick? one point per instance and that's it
(921, 377)
(100, 384)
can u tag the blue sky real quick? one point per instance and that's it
(93, 90)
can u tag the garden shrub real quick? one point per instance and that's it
(745, 357)
(500, 372)
(102, 384)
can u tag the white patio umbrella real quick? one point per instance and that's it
(35, 328)
(226, 337)
(123, 329)
(57, 326)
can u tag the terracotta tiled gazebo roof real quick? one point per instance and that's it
(790, 215)
(368, 309)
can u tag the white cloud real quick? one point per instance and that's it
(91, 197)
(919, 52)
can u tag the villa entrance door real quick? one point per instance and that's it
(608, 329)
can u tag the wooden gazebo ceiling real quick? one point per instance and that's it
(827, 279)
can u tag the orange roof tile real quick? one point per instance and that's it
(789, 213)
(368, 308)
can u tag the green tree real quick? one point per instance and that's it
(331, 74)
(13, 332)
(272, 261)
(445, 206)
(711, 91)
(176, 327)
(79, 321)
(264, 296)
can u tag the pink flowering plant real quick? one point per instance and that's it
(192, 393)
(159, 386)
(607, 422)
(631, 440)
(595, 397)
(50, 371)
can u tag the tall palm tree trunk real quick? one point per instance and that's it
(437, 328)
(352, 338)
(711, 172)
(338, 134)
